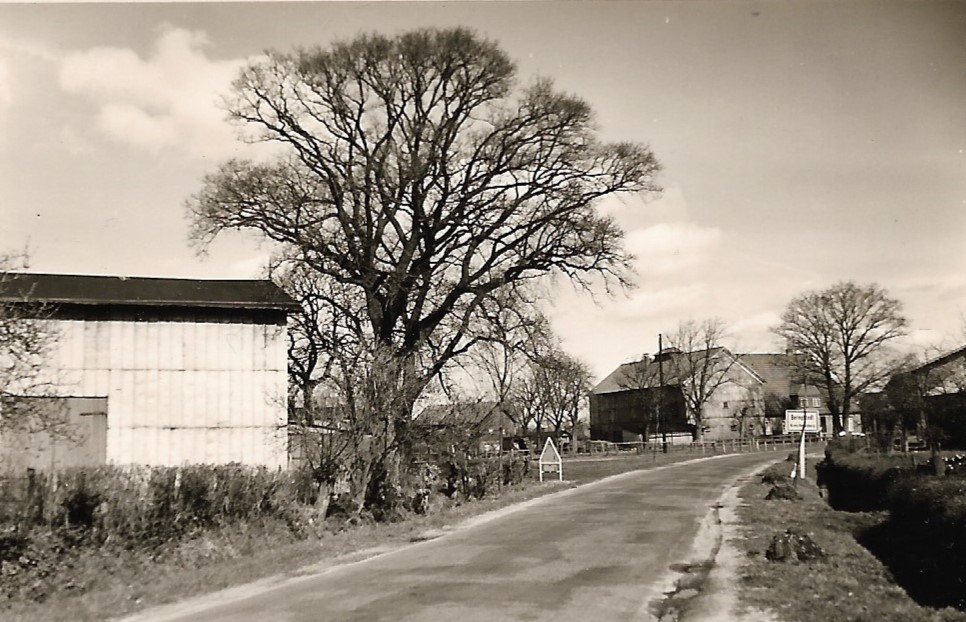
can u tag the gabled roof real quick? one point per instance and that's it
(940, 360)
(75, 289)
(630, 376)
(467, 415)
(775, 369)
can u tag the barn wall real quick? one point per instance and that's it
(722, 416)
(185, 388)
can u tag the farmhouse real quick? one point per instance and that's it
(489, 425)
(627, 398)
(159, 371)
(934, 395)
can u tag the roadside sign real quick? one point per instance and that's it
(550, 461)
(795, 419)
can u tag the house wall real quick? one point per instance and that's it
(182, 387)
(722, 414)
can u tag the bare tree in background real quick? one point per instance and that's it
(418, 176)
(576, 383)
(701, 366)
(28, 400)
(553, 391)
(840, 335)
(517, 334)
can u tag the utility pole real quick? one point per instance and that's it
(660, 389)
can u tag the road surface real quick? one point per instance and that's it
(603, 551)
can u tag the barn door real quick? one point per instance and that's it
(81, 441)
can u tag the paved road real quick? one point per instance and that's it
(597, 552)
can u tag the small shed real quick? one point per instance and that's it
(159, 371)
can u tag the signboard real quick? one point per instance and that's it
(795, 419)
(550, 461)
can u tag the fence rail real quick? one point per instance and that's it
(766, 443)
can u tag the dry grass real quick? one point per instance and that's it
(849, 584)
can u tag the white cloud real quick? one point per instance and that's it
(754, 333)
(673, 302)
(6, 86)
(169, 100)
(674, 247)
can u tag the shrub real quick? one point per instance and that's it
(776, 474)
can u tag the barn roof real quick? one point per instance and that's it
(88, 290)
(644, 374)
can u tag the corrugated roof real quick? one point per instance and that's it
(75, 289)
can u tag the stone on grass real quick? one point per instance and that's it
(793, 545)
(783, 491)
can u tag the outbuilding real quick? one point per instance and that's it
(159, 371)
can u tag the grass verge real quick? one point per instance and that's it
(849, 583)
(114, 582)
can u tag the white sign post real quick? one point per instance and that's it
(805, 421)
(550, 460)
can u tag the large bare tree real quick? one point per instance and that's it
(840, 335)
(416, 174)
(701, 366)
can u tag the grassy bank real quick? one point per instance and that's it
(848, 583)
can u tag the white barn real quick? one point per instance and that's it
(162, 371)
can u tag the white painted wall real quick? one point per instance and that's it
(184, 391)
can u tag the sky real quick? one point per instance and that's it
(802, 144)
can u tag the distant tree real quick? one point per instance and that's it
(553, 392)
(28, 396)
(564, 381)
(839, 335)
(701, 366)
(416, 175)
(579, 382)
(517, 335)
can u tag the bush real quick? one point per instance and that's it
(776, 474)
(921, 540)
(859, 481)
(151, 504)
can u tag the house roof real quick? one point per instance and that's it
(470, 415)
(645, 373)
(940, 360)
(75, 289)
(775, 369)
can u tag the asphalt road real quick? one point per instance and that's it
(596, 552)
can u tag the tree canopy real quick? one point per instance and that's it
(840, 334)
(416, 171)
